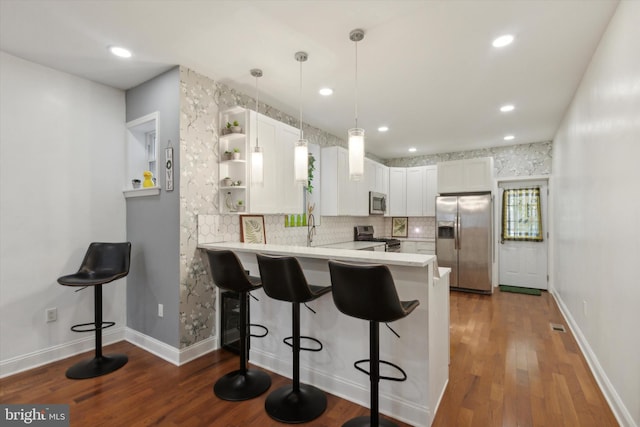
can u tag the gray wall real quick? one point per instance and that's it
(153, 222)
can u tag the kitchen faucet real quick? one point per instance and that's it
(311, 229)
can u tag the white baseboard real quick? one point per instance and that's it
(610, 394)
(62, 351)
(169, 353)
(415, 415)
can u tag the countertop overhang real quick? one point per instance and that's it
(387, 258)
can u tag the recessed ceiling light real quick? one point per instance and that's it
(506, 108)
(326, 91)
(383, 128)
(509, 137)
(503, 41)
(120, 51)
(412, 149)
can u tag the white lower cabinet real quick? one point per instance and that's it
(418, 247)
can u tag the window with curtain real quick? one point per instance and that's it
(521, 215)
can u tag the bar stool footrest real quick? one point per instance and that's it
(80, 327)
(398, 379)
(266, 330)
(288, 339)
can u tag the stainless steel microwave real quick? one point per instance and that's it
(377, 203)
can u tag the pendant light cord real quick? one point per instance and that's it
(301, 133)
(257, 94)
(356, 108)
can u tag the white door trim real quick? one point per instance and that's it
(510, 182)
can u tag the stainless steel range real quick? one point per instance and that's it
(364, 233)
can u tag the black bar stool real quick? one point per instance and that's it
(368, 292)
(228, 274)
(103, 263)
(283, 279)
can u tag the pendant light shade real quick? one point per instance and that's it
(356, 134)
(257, 170)
(356, 154)
(301, 153)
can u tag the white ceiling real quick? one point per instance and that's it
(426, 69)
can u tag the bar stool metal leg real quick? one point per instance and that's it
(99, 365)
(296, 403)
(373, 420)
(244, 383)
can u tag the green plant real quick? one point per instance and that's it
(229, 125)
(311, 167)
(240, 202)
(235, 123)
(236, 150)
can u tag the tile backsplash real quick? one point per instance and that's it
(218, 228)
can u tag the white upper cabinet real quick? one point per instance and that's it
(430, 187)
(415, 192)
(377, 176)
(397, 197)
(465, 176)
(279, 194)
(340, 195)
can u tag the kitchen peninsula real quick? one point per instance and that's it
(422, 348)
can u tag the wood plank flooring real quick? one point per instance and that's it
(508, 368)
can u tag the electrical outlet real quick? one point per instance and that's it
(584, 307)
(51, 315)
(160, 310)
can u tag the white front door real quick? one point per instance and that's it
(524, 264)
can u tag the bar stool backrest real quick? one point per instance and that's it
(102, 263)
(227, 271)
(365, 291)
(283, 279)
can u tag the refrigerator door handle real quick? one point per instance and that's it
(456, 233)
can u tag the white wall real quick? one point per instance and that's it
(596, 214)
(62, 167)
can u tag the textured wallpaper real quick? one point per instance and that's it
(509, 161)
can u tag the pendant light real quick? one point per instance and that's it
(356, 134)
(301, 153)
(257, 172)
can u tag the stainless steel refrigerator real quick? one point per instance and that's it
(463, 240)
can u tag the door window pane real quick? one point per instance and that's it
(521, 215)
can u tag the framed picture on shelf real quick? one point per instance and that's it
(399, 226)
(252, 229)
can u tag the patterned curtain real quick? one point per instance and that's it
(521, 217)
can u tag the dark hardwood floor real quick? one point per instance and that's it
(508, 368)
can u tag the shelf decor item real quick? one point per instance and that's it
(148, 182)
(252, 229)
(236, 128)
(135, 183)
(399, 226)
(227, 182)
(236, 154)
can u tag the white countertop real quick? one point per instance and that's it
(356, 246)
(375, 257)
